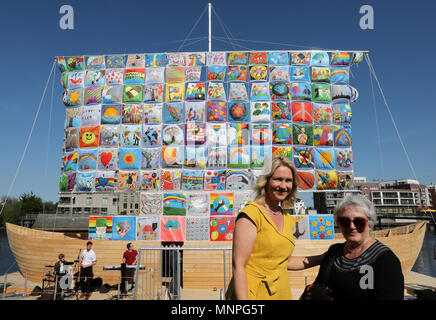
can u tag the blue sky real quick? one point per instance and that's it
(401, 47)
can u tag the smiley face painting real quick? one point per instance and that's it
(89, 137)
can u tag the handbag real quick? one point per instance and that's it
(319, 290)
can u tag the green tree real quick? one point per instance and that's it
(49, 207)
(27, 203)
(11, 211)
(30, 203)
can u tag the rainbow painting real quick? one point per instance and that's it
(174, 204)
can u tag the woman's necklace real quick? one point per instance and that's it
(277, 212)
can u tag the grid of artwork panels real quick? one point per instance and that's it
(179, 217)
(175, 217)
(140, 122)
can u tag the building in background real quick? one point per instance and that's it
(432, 190)
(404, 196)
(128, 203)
(88, 204)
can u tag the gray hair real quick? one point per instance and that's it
(359, 201)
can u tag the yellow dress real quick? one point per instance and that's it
(267, 275)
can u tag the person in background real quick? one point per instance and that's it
(363, 268)
(129, 259)
(61, 269)
(263, 240)
(87, 260)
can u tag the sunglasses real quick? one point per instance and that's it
(359, 222)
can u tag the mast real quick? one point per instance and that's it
(210, 26)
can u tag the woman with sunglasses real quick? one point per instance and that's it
(363, 268)
(263, 240)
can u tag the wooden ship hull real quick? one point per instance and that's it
(202, 269)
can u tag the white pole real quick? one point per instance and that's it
(210, 27)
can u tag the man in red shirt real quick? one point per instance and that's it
(129, 259)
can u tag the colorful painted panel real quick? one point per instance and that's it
(127, 181)
(85, 181)
(215, 180)
(325, 158)
(192, 180)
(239, 157)
(124, 228)
(105, 181)
(238, 179)
(322, 135)
(100, 228)
(307, 179)
(198, 204)
(321, 227)
(222, 228)
(221, 204)
(149, 180)
(171, 179)
(301, 229)
(327, 180)
(148, 228)
(151, 203)
(197, 228)
(172, 229)
(261, 111)
(174, 204)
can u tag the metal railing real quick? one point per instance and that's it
(165, 271)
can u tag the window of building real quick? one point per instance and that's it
(114, 201)
(64, 200)
(390, 201)
(136, 206)
(390, 195)
(88, 201)
(104, 211)
(87, 211)
(125, 205)
(104, 201)
(77, 210)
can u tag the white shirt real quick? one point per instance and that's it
(88, 257)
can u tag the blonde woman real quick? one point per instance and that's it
(263, 240)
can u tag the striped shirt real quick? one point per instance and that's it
(342, 263)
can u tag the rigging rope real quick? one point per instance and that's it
(377, 127)
(194, 42)
(226, 41)
(205, 8)
(224, 27)
(48, 141)
(28, 139)
(282, 44)
(368, 60)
